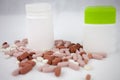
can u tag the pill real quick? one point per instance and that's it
(48, 69)
(67, 43)
(23, 56)
(25, 41)
(48, 53)
(88, 77)
(60, 47)
(81, 62)
(72, 49)
(104, 55)
(90, 56)
(44, 61)
(88, 67)
(56, 61)
(5, 45)
(49, 57)
(97, 56)
(16, 72)
(57, 71)
(64, 59)
(25, 69)
(43, 66)
(73, 66)
(63, 64)
(79, 56)
(75, 57)
(40, 59)
(85, 57)
(59, 55)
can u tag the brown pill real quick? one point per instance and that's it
(22, 64)
(78, 46)
(57, 71)
(31, 62)
(23, 56)
(49, 57)
(25, 69)
(72, 49)
(56, 61)
(48, 53)
(64, 59)
(88, 77)
(49, 62)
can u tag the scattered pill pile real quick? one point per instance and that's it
(63, 54)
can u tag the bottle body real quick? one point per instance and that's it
(39, 27)
(100, 38)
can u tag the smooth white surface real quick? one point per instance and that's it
(106, 69)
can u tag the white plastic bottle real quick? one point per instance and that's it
(100, 29)
(39, 26)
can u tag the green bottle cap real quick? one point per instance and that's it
(100, 15)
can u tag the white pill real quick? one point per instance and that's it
(73, 66)
(39, 59)
(88, 67)
(44, 61)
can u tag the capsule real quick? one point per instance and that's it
(73, 66)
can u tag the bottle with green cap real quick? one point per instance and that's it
(100, 29)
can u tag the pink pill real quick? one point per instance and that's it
(85, 57)
(81, 62)
(67, 52)
(102, 54)
(5, 45)
(59, 55)
(97, 56)
(79, 56)
(41, 67)
(8, 53)
(16, 72)
(67, 43)
(48, 69)
(75, 57)
(62, 50)
(63, 64)
(69, 57)
(73, 66)
(25, 41)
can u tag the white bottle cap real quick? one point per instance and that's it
(38, 9)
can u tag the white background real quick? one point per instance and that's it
(68, 24)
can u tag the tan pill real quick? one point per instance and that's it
(73, 66)
(63, 64)
(48, 69)
(57, 71)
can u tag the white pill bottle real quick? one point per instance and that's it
(39, 26)
(100, 29)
